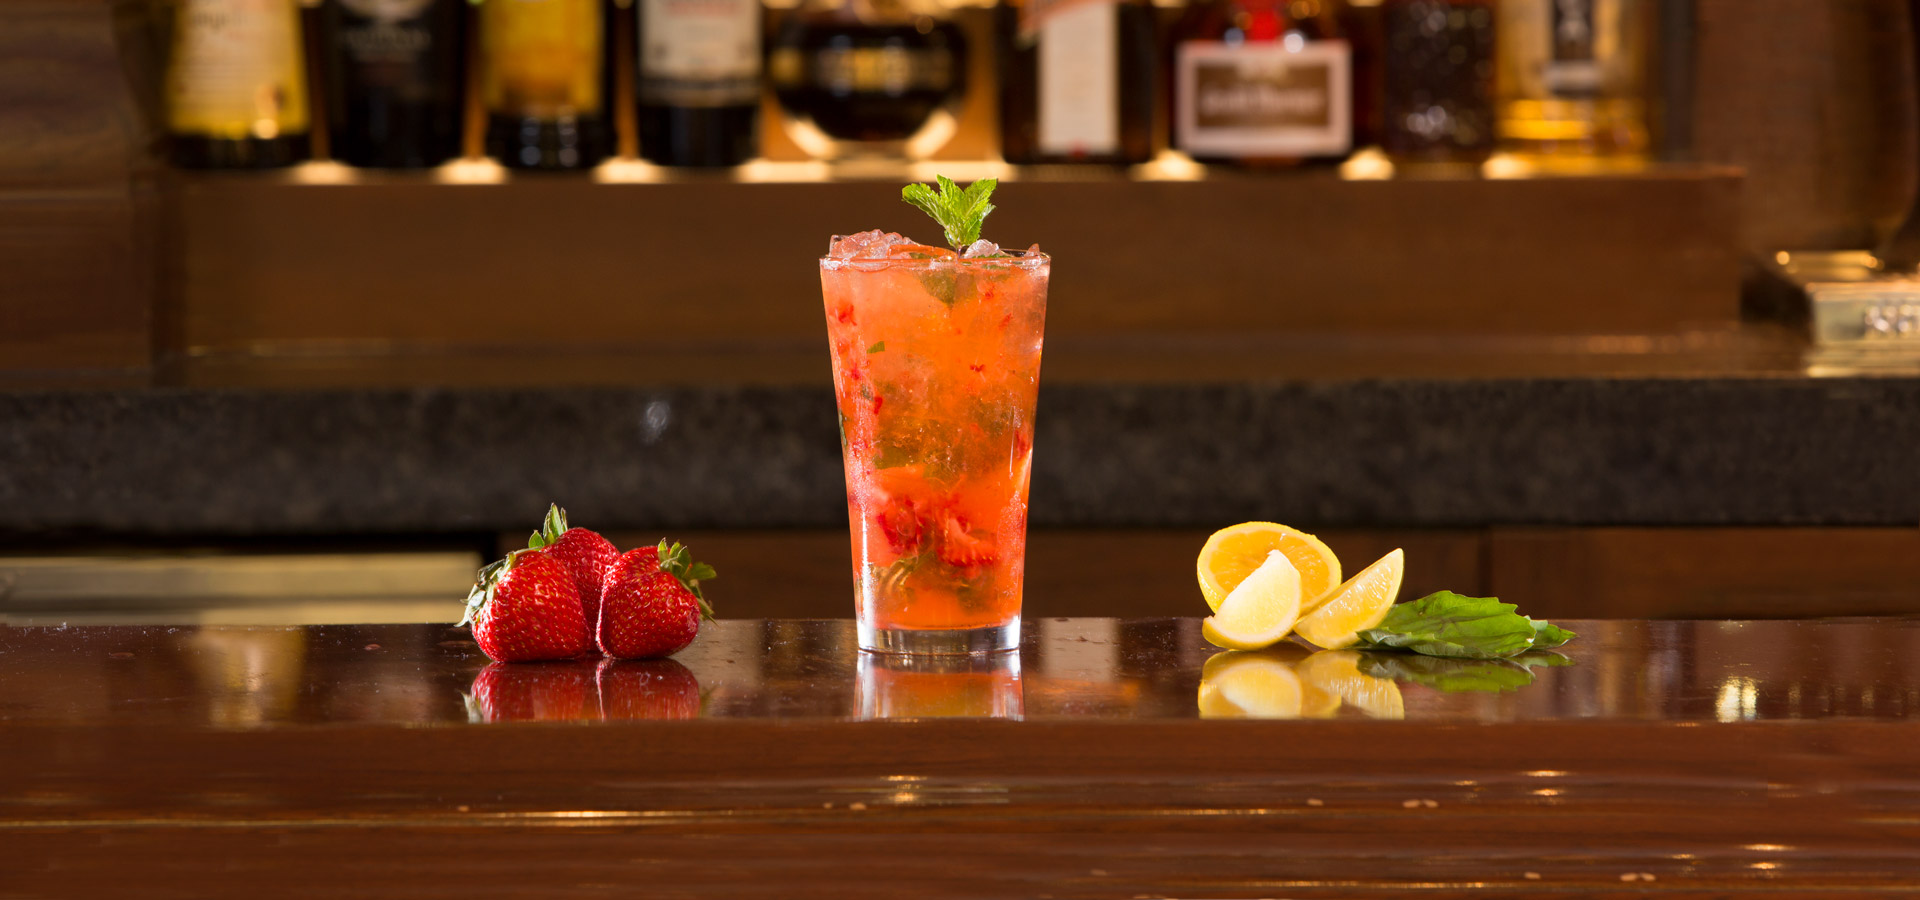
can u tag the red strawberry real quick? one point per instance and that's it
(648, 689)
(526, 608)
(549, 692)
(653, 604)
(959, 548)
(585, 554)
(899, 521)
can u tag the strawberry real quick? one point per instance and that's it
(899, 521)
(653, 606)
(585, 554)
(526, 608)
(550, 692)
(959, 548)
(648, 689)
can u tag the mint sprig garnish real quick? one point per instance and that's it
(960, 211)
(1452, 625)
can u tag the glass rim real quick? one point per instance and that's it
(1009, 257)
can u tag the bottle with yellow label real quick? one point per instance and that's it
(236, 86)
(544, 82)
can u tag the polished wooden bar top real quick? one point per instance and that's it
(1108, 758)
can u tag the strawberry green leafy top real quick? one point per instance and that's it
(960, 211)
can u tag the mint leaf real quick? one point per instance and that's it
(1453, 676)
(1547, 634)
(877, 347)
(960, 211)
(1448, 624)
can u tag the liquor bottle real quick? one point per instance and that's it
(1573, 79)
(396, 80)
(698, 90)
(236, 85)
(1078, 81)
(544, 82)
(868, 78)
(1263, 82)
(1438, 83)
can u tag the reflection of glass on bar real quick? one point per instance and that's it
(899, 686)
(936, 365)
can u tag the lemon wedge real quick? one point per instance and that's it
(1337, 672)
(1355, 606)
(1256, 685)
(1231, 554)
(1260, 611)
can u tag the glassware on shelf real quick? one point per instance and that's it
(1437, 97)
(1263, 82)
(868, 78)
(1573, 81)
(1078, 81)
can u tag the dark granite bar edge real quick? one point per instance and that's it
(1397, 453)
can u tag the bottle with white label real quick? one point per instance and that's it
(1078, 81)
(236, 85)
(1573, 80)
(1263, 82)
(698, 81)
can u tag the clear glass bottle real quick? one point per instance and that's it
(1574, 80)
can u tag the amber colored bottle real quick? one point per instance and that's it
(1263, 82)
(236, 85)
(544, 82)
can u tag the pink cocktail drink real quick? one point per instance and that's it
(936, 367)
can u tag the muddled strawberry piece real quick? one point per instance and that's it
(900, 522)
(843, 313)
(958, 547)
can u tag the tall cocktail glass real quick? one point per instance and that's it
(936, 366)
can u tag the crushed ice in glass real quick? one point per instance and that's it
(981, 247)
(875, 244)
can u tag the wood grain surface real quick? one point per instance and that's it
(1668, 759)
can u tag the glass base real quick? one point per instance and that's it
(943, 641)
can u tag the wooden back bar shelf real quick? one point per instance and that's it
(772, 759)
(267, 266)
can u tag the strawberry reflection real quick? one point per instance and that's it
(534, 692)
(648, 689)
(1288, 682)
(985, 686)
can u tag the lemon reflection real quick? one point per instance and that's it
(1287, 682)
(941, 687)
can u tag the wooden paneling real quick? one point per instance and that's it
(76, 279)
(77, 223)
(67, 108)
(807, 574)
(1816, 102)
(1679, 573)
(405, 266)
(1655, 573)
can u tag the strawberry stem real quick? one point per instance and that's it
(551, 528)
(676, 560)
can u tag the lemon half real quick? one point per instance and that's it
(1231, 554)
